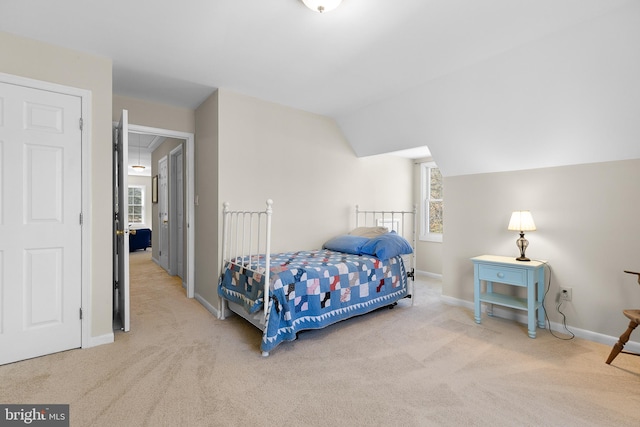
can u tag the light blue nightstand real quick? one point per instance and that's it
(500, 269)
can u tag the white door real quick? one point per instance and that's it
(121, 224)
(163, 213)
(40, 222)
(176, 215)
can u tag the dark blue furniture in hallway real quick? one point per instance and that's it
(140, 240)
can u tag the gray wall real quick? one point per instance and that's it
(207, 210)
(587, 229)
(257, 150)
(164, 150)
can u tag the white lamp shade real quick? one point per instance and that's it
(322, 5)
(521, 221)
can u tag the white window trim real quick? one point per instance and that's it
(144, 207)
(425, 235)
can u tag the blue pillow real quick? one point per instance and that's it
(346, 243)
(387, 246)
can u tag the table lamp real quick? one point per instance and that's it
(522, 221)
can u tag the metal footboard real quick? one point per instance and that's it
(245, 236)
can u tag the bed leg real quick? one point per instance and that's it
(265, 354)
(411, 285)
(223, 307)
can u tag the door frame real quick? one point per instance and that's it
(162, 232)
(85, 229)
(189, 175)
(173, 208)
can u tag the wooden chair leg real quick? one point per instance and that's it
(617, 347)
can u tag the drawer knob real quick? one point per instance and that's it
(501, 275)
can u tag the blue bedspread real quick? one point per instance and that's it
(314, 289)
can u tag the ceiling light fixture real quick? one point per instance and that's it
(322, 5)
(139, 167)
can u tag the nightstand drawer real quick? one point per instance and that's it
(512, 276)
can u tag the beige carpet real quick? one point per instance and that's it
(426, 365)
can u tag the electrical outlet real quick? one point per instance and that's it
(565, 294)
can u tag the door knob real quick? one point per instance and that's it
(119, 232)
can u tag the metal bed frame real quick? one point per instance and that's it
(395, 220)
(246, 236)
(241, 239)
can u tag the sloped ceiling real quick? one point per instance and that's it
(393, 74)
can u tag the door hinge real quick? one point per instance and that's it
(81, 124)
(80, 218)
(80, 313)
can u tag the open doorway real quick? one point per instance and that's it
(169, 195)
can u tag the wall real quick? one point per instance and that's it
(207, 208)
(152, 114)
(41, 61)
(429, 254)
(302, 162)
(164, 150)
(588, 228)
(570, 98)
(308, 169)
(429, 257)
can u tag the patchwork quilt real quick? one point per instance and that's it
(313, 289)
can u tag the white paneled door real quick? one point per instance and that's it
(121, 304)
(163, 213)
(40, 222)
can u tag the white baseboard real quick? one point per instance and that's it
(99, 340)
(429, 274)
(211, 309)
(519, 316)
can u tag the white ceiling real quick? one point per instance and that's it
(413, 153)
(141, 145)
(364, 53)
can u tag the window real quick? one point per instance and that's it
(136, 204)
(432, 206)
(389, 224)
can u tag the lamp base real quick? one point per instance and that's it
(522, 244)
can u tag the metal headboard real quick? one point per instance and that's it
(405, 223)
